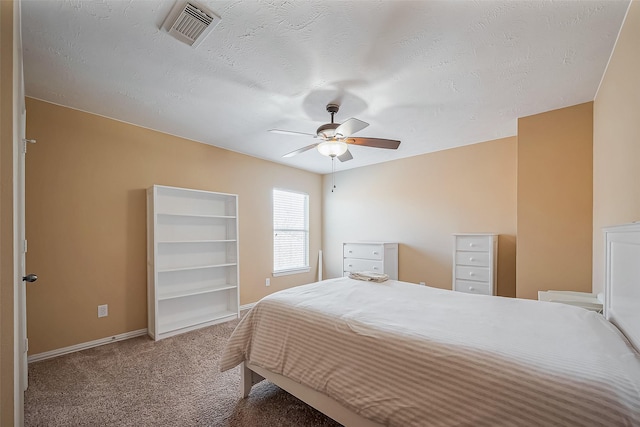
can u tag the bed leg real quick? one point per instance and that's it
(247, 379)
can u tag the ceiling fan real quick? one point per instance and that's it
(336, 137)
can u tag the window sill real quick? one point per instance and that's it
(288, 272)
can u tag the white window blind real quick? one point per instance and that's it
(290, 231)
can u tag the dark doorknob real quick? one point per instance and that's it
(30, 278)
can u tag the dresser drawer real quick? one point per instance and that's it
(364, 251)
(481, 259)
(473, 243)
(480, 288)
(355, 264)
(477, 274)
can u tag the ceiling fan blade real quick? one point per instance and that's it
(291, 132)
(346, 156)
(301, 150)
(350, 127)
(375, 142)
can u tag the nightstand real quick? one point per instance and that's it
(585, 300)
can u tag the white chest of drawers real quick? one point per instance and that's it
(475, 263)
(379, 257)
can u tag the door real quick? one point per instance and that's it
(20, 115)
(22, 245)
(26, 278)
(22, 242)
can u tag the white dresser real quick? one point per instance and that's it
(475, 259)
(379, 257)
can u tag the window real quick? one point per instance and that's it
(290, 232)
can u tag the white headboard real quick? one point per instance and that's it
(622, 279)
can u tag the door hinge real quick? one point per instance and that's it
(24, 246)
(26, 345)
(26, 141)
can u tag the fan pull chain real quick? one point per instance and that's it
(333, 173)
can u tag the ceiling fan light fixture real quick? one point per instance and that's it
(333, 137)
(332, 148)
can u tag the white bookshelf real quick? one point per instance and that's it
(192, 259)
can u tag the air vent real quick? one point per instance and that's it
(190, 23)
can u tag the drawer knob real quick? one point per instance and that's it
(375, 268)
(350, 265)
(350, 252)
(471, 245)
(471, 288)
(471, 273)
(375, 253)
(472, 259)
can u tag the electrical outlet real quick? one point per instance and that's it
(422, 284)
(103, 310)
(267, 282)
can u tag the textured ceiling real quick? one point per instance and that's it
(433, 74)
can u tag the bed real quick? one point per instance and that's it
(398, 354)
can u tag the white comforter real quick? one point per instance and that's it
(406, 355)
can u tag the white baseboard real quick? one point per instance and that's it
(85, 345)
(247, 306)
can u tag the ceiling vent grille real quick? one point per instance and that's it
(190, 23)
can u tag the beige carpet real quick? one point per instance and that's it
(173, 382)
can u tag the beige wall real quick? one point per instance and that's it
(86, 181)
(419, 202)
(616, 141)
(555, 201)
(6, 214)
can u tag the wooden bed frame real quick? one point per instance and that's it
(252, 374)
(622, 303)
